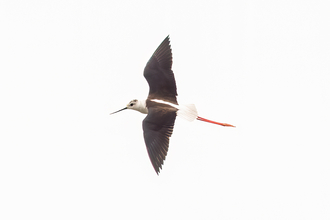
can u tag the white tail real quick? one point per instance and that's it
(188, 112)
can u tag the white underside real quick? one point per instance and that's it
(185, 111)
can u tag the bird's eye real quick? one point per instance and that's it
(131, 104)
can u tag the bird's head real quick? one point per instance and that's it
(138, 105)
(132, 104)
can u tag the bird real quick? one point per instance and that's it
(161, 105)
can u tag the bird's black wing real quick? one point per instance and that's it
(158, 72)
(157, 130)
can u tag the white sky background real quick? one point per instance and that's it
(260, 65)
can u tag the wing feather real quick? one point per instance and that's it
(157, 130)
(159, 75)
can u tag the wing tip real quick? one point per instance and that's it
(158, 166)
(157, 171)
(163, 54)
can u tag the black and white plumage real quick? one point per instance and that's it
(159, 123)
(161, 106)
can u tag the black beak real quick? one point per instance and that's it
(118, 111)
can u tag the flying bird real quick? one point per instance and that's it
(161, 106)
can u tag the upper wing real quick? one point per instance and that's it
(158, 72)
(157, 130)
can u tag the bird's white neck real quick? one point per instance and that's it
(141, 106)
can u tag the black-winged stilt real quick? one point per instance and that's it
(161, 105)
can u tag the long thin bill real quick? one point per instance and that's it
(118, 111)
(214, 122)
